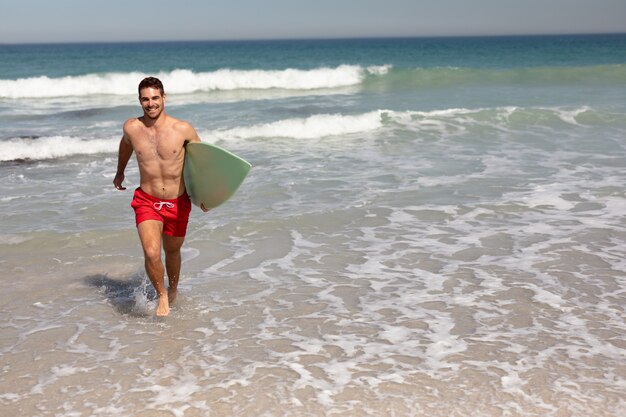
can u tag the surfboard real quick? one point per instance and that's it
(212, 174)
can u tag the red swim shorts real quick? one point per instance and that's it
(174, 214)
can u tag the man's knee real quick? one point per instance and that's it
(152, 253)
(150, 236)
(172, 245)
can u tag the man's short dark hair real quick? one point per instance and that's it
(151, 82)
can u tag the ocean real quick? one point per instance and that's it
(431, 227)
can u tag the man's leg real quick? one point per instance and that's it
(150, 236)
(172, 246)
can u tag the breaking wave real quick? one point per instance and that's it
(184, 81)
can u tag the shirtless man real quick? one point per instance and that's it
(161, 203)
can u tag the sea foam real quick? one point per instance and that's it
(312, 127)
(53, 147)
(316, 126)
(184, 81)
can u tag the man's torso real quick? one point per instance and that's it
(160, 155)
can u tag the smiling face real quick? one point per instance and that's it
(152, 102)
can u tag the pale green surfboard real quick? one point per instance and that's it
(212, 174)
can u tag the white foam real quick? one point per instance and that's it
(548, 195)
(511, 382)
(143, 305)
(395, 334)
(315, 126)
(569, 115)
(184, 81)
(54, 147)
(448, 121)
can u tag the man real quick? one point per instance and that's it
(161, 203)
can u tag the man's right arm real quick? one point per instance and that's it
(124, 154)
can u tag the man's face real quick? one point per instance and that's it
(152, 102)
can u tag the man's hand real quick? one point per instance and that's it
(204, 208)
(117, 182)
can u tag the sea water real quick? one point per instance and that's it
(432, 227)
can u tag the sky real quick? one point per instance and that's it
(43, 21)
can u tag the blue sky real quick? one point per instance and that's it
(27, 21)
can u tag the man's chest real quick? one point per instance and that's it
(158, 145)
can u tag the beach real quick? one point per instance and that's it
(431, 227)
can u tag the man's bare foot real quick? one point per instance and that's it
(171, 295)
(163, 309)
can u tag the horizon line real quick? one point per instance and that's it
(338, 38)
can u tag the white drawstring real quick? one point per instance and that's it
(160, 205)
